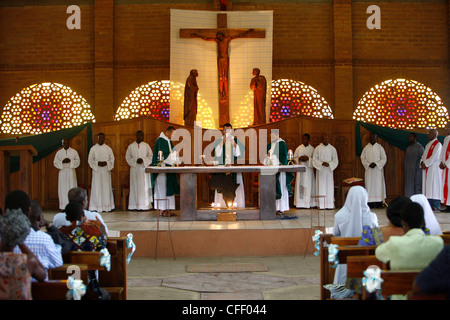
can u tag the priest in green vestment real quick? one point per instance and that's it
(277, 154)
(226, 151)
(165, 185)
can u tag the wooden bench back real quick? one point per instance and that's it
(49, 290)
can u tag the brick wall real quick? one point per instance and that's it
(123, 46)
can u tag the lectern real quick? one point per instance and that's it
(26, 153)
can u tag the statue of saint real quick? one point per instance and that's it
(190, 98)
(259, 87)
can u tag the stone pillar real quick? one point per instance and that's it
(343, 60)
(104, 60)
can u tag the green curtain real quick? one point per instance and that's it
(45, 143)
(396, 137)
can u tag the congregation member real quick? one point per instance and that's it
(431, 225)
(84, 234)
(349, 222)
(79, 195)
(39, 242)
(444, 165)
(413, 170)
(165, 185)
(101, 161)
(325, 161)
(277, 154)
(376, 235)
(431, 173)
(38, 222)
(305, 183)
(139, 156)
(414, 250)
(373, 158)
(226, 151)
(17, 269)
(66, 160)
(435, 278)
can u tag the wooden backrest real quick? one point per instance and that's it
(397, 282)
(89, 258)
(117, 276)
(61, 273)
(347, 246)
(326, 272)
(446, 237)
(345, 241)
(356, 265)
(347, 251)
(49, 290)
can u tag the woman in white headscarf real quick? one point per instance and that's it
(349, 222)
(431, 222)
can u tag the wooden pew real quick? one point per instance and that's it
(326, 272)
(60, 273)
(115, 280)
(117, 276)
(347, 247)
(49, 290)
(397, 282)
(446, 237)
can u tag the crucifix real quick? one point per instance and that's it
(222, 36)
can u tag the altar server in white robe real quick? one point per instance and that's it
(66, 160)
(139, 156)
(226, 152)
(445, 165)
(373, 158)
(431, 173)
(101, 160)
(305, 181)
(165, 185)
(325, 160)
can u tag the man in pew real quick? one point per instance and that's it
(38, 221)
(414, 250)
(435, 278)
(79, 195)
(40, 243)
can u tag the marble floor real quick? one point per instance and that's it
(286, 277)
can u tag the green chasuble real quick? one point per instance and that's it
(172, 185)
(221, 159)
(281, 151)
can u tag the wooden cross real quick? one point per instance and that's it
(222, 36)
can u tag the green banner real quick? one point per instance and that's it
(396, 137)
(45, 143)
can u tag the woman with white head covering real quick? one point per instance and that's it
(349, 222)
(430, 219)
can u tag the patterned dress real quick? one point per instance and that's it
(14, 275)
(85, 236)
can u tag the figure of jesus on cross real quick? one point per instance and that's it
(222, 36)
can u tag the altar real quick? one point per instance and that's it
(188, 190)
